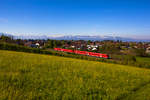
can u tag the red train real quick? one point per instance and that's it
(83, 53)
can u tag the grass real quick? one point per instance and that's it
(143, 59)
(25, 76)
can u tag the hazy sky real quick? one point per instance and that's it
(84, 17)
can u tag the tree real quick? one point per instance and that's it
(89, 41)
(49, 44)
(140, 52)
(4, 38)
(20, 42)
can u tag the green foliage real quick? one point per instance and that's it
(140, 52)
(49, 44)
(53, 43)
(110, 49)
(4, 38)
(26, 76)
(19, 42)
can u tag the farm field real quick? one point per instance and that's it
(26, 76)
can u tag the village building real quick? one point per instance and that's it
(37, 44)
(148, 50)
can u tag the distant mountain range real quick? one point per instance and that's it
(76, 37)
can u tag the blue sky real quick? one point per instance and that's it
(129, 18)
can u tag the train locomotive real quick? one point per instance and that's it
(93, 54)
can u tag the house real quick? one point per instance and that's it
(33, 46)
(72, 46)
(28, 44)
(37, 44)
(148, 50)
(94, 48)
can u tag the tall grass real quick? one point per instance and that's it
(26, 76)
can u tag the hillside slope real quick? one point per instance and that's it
(32, 76)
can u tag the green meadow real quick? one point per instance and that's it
(26, 76)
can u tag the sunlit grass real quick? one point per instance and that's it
(31, 76)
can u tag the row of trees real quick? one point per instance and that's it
(116, 49)
(54, 43)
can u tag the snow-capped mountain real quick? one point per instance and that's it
(1, 33)
(73, 37)
(76, 37)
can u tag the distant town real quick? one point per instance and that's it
(105, 46)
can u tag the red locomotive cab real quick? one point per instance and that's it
(105, 56)
(57, 49)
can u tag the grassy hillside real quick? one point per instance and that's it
(32, 76)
